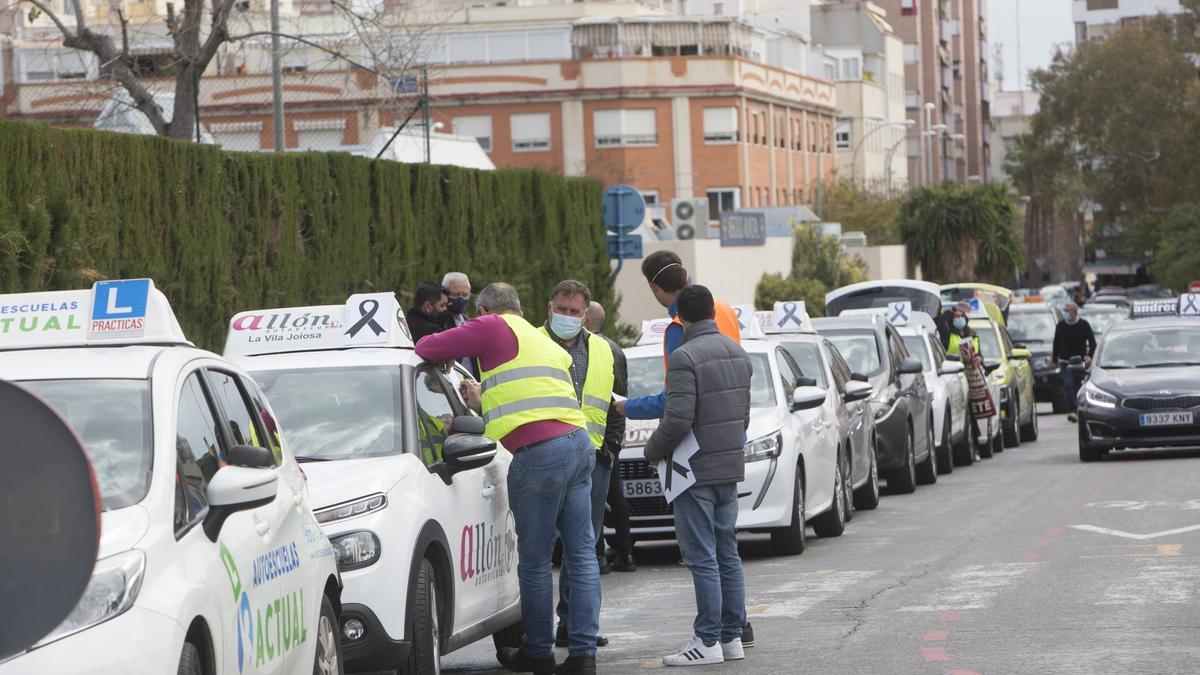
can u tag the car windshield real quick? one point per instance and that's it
(1101, 319)
(808, 357)
(918, 346)
(646, 379)
(1031, 326)
(860, 350)
(112, 418)
(989, 343)
(1151, 348)
(337, 413)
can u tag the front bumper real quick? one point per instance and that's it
(891, 433)
(1117, 428)
(374, 650)
(135, 643)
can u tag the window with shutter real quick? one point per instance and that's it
(720, 125)
(530, 132)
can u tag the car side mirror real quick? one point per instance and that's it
(806, 398)
(858, 377)
(954, 357)
(463, 452)
(951, 368)
(857, 391)
(251, 456)
(238, 488)
(1021, 354)
(990, 365)
(467, 424)
(911, 366)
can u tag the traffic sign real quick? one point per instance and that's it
(623, 209)
(630, 247)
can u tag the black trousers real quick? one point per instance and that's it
(616, 516)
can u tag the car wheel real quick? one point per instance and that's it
(927, 471)
(1087, 451)
(1029, 432)
(847, 482)
(189, 661)
(998, 441)
(1012, 435)
(866, 497)
(832, 523)
(945, 460)
(328, 658)
(964, 450)
(789, 540)
(425, 656)
(904, 480)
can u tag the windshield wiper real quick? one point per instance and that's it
(1172, 365)
(302, 459)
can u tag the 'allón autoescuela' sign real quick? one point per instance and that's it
(743, 229)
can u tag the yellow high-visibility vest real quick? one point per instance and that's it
(534, 386)
(597, 385)
(955, 338)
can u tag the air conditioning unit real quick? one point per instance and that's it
(689, 218)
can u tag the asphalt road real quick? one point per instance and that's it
(1030, 562)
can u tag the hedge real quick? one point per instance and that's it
(221, 232)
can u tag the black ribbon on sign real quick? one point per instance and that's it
(1191, 305)
(789, 314)
(742, 325)
(899, 314)
(366, 318)
(675, 466)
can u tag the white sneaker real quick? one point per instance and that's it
(733, 650)
(694, 653)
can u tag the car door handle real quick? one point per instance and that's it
(488, 491)
(261, 526)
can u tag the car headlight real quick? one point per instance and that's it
(112, 589)
(350, 509)
(767, 447)
(1098, 397)
(355, 550)
(1043, 362)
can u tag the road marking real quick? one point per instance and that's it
(932, 654)
(936, 635)
(972, 588)
(947, 617)
(809, 589)
(961, 671)
(1134, 535)
(1133, 551)
(1160, 584)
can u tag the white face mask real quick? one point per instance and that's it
(565, 327)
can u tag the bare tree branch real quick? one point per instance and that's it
(53, 17)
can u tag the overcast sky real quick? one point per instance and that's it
(1044, 24)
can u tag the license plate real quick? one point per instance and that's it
(1165, 419)
(643, 487)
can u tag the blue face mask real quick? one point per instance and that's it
(565, 327)
(959, 323)
(457, 306)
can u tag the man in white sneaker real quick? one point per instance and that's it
(708, 394)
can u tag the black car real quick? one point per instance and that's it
(1032, 324)
(1143, 389)
(905, 450)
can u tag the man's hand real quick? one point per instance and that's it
(470, 391)
(619, 405)
(1087, 360)
(446, 366)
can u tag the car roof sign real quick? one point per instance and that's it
(653, 332)
(1157, 307)
(366, 320)
(119, 312)
(789, 316)
(1189, 304)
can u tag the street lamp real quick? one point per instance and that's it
(858, 146)
(928, 134)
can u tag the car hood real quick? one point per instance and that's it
(338, 481)
(763, 421)
(1148, 381)
(122, 529)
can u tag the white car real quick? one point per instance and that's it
(793, 474)
(411, 494)
(210, 559)
(948, 384)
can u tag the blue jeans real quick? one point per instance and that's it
(600, 477)
(549, 489)
(1070, 385)
(705, 527)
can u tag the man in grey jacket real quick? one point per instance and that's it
(708, 393)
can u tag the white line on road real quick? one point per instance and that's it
(1133, 535)
(1155, 585)
(810, 589)
(973, 588)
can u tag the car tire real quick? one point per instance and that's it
(1012, 432)
(1029, 432)
(927, 471)
(964, 450)
(945, 458)
(903, 481)
(866, 497)
(425, 656)
(1087, 451)
(987, 448)
(513, 636)
(327, 659)
(998, 441)
(832, 523)
(189, 661)
(789, 540)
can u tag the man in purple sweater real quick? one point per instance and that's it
(529, 405)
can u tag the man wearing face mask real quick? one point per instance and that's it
(458, 288)
(593, 373)
(428, 312)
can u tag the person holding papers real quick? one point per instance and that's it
(704, 424)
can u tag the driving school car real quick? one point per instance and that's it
(210, 559)
(411, 494)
